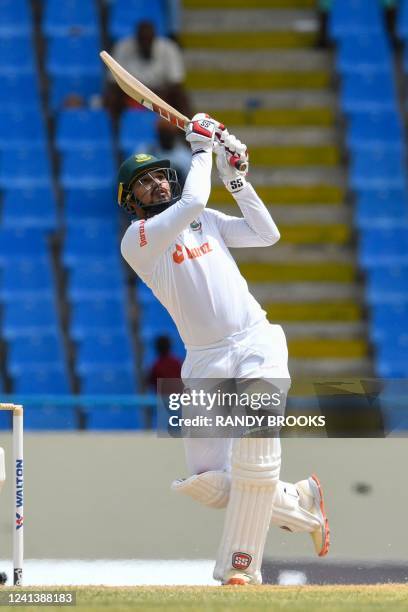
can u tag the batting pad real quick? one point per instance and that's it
(254, 477)
(209, 488)
(212, 489)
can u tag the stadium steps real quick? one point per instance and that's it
(258, 67)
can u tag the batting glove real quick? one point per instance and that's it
(200, 132)
(230, 147)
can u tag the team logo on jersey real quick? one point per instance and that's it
(241, 560)
(195, 226)
(141, 157)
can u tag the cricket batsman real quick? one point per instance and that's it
(180, 249)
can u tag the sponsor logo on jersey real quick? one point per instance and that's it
(195, 226)
(193, 253)
(241, 560)
(178, 255)
(142, 233)
(141, 157)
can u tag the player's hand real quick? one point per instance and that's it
(200, 132)
(227, 147)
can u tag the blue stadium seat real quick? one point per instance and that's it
(393, 352)
(375, 130)
(33, 315)
(355, 17)
(89, 316)
(368, 92)
(155, 315)
(110, 380)
(376, 169)
(26, 277)
(363, 54)
(35, 208)
(90, 240)
(39, 378)
(22, 242)
(16, 56)
(25, 169)
(373, 205)
(95, 204)
(100, 277)
(50, 418)
(34, 348)
(70, 17)
(104, 347)
(402, 20)
(388, 319)
(15, 18)
(137, 131)
(387, 284)
(113, 417)
(13, 93)
(126, 14)
(74, 56)
(22, 128)
(86, 86)
(78, 129)
(384, 246)
(87, 169)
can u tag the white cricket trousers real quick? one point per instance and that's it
(258, 352)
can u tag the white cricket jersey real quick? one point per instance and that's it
(182, 255)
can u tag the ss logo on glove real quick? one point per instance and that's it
(236, 184)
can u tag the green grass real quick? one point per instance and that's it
(228, 599)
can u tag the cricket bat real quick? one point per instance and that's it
(147, 98)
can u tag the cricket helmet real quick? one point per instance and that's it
(133, 169)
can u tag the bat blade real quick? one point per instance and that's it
(142, 94)
(147, 98)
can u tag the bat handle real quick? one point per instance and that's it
(238, 163)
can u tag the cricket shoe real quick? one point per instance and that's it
(236, 578)
(311, 494)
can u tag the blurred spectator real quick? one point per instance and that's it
(166, 364)
(157, 62)
(171, 145)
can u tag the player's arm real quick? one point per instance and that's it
(146, 240)
(257, 228)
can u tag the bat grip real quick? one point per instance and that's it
(238, 163)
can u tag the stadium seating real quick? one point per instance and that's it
(45, 379)
(26, 277)
(372, 92)
(113, 417)
(70, 17)
(90, 204)
(114, 379)
(87, 86)
(17, 56)
(22, 129)
(34, 208)
(373, 205)
(13, 93)
(87, 169)
(355, 17)
(137, 131)
(15, 18)
(25, 169)
(378, 131)
(126, 14)
(74, 56)
(32, 315)
(81, 129)
(50, 417)
(92, 315)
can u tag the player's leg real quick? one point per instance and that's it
(255, 465)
